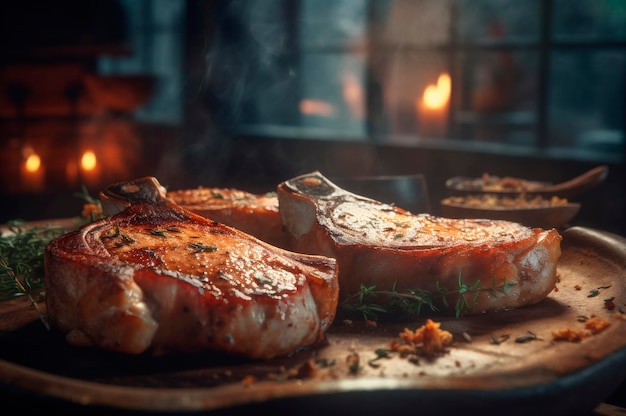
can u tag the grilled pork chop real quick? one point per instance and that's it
(255, 214)
(156, 277)
(507, 264)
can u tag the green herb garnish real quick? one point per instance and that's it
(21, 261)
(373, 303)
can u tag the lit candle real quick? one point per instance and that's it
(32, 172)
(89, 169)
(432, 108)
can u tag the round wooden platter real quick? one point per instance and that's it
(498, 362)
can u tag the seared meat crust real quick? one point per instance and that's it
(254, 214)
(382, 245)
(155, 277)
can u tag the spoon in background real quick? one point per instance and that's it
(579, 184)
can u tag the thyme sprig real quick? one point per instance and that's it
(373, 303)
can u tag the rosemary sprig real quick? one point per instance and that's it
(21, 261)
(373, 303)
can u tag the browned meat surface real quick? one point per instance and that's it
(382, 245)
(156, 277)
(251, 213)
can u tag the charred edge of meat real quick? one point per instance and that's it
(314, 185)
(140, 190)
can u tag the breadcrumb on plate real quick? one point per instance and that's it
(428, 340)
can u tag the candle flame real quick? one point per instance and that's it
(88, 161)
(437, 96)
(32, 163)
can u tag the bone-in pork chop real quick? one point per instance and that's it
(158, 278)
(506, 264)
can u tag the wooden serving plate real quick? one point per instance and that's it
(505, 362)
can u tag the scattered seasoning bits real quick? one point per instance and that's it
(198, 247)
(499, 340)
(158, 233)
(609, 303)
(115, 233)
(380, 354)
(324, 362)
(353, 362)
(125, 240)
(595, 292)
(527, 338)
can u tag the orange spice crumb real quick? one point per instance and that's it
(248, 380)
(569, 334)
(597, 325)
(592, 326)
(428, 340)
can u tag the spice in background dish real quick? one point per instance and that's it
(496, 201)
(494, 183)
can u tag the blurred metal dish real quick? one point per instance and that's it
(461, 185)
(545, 216)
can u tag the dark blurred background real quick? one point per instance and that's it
(245, 93)
(248, 93)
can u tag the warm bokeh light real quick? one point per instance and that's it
(88, 161)
(32, 171)
(32, 163)
(316, 107)
(354, 96)
(437, 96)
